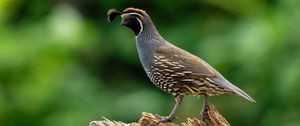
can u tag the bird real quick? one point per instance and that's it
(171, 68)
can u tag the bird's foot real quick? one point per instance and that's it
(205, 109)
(202, 115)
(164, 119)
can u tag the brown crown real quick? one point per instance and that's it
(131, 9)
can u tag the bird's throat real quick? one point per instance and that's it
(135, 26)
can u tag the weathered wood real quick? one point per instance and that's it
(211, 117)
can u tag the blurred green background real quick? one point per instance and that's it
(62, 63)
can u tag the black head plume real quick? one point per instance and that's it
(132, 18)
(112, 13)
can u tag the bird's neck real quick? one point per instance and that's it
(147, 41)
(149, 36)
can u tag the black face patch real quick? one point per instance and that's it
(132, 22)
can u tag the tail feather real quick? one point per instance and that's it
(226, 84)
(241, 93)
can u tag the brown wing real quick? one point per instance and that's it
(186, 59)
(179, 72)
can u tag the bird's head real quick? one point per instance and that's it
(131, 17)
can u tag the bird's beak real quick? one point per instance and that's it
(122, 23)
(124, 20)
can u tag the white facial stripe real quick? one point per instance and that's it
(141, 25)
(133, 14)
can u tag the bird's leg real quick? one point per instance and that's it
(205, 106)
(172, 115)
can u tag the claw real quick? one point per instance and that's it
(202, 113)
(163, 119)
(172, 115)
(166, 119)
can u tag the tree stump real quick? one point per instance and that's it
(211, 117)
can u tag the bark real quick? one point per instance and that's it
(211, 117)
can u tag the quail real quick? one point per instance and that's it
(171, 68)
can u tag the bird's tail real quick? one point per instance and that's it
(225, 83)
(241, 93)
